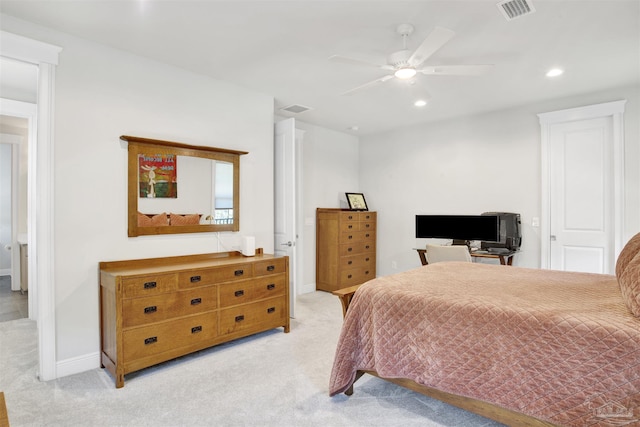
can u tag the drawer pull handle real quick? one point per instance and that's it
(271, 310)
(367, 235)
(367, 225)
(350, 237)
(150, 285)
(366, 272)
(271, 268)
(150, 340)
(366, 259)
(350, 216)
(349, 250)
(238, 272)
(150, 309)
(195, 279)
(196, 329)
(350, 262)
(366, 247)
(271, 286)
(196, 301)
(240, 318)
(239, 293)
(349, 277)
(350, 227)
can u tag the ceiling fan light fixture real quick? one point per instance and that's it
(405, 73)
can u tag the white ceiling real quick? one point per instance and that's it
(281, 48)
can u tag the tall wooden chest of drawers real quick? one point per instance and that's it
(157, 309)
(345, 248)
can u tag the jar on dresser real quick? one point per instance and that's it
(345, 248)
(157, 309)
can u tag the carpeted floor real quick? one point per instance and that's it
(271, 379)
(13, 304)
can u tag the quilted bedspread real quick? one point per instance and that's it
(559, 346)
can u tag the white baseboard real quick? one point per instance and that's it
(307, 288)
(5, 272)
(76, 365)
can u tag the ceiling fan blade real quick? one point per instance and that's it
(455, 70)
(368, 85)
(434, 41)
(345, 60)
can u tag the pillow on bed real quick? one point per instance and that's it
(630, 250)
(155, 221)
(629, 282)
(193, 219)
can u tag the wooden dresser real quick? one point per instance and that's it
(154, 310)
(345, 248)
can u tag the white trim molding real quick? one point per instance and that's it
(78, 364)
(41, 203)
(28, 50)
(615, 110)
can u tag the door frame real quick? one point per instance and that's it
(40, 192)
(615, 110)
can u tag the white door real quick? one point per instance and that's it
(581, 199)
(285, 200)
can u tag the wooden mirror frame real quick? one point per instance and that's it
(139, 145)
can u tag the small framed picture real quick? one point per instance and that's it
(357, 202)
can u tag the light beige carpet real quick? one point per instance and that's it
(271, 379)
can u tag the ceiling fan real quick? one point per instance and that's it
(405, 64)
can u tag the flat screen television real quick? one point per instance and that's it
(458, 227)
(510, 234)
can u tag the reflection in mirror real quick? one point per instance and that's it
(223, 193)
(179, 188)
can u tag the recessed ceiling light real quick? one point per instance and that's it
(405, 73)
(354, 128)
(555, 72)
(420, 103)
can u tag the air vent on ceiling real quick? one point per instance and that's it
(296, 109)
(512, 9)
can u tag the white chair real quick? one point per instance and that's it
(438, 253)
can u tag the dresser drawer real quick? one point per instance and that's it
(272, 266)
(190, 279)
(141, 311)
(356, 276)
(265, 314)
(148, 285)
(248, 291)
(366, 216)
(351, 226)
(349, 216)
(356, 261)
(358, 236)
(157, 338)
(356, 248)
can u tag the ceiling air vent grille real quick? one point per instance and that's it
(295, 109)
(512, 9)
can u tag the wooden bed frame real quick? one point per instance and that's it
(485, 409)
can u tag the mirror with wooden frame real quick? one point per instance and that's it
(179, 188)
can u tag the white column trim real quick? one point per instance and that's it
(40, 236)
(614, 109)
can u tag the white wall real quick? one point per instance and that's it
(101, 94)
(330, 168)
(470, 165)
